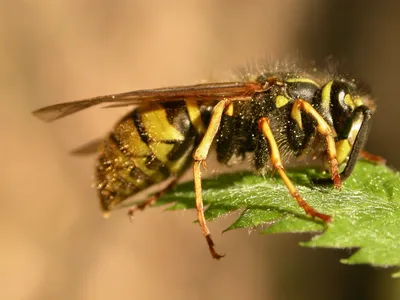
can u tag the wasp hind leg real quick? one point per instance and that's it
(199, 157)
(152, 199)
(263, 126)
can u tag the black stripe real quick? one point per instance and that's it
(178, 116)
(181, 148)
(137, 121)
(172, 109)
(117, 143)
(136, 173)
(144, 136)
(205, 113)
(170, 141)
(155, 164)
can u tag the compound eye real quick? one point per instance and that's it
(341, 104)
(340, 97)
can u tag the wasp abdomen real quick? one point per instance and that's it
(149, 145)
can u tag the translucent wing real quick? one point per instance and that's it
(89, 148)
(200, 92)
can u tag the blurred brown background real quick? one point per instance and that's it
(55, 245)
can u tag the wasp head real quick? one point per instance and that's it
(350, 114)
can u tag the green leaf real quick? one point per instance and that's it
(366, 211)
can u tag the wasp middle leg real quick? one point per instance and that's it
(263, 126)
(199, 157)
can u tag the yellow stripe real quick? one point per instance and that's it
(281, 101)
(161, 150)
(195, 116)
(156, 124)
(141, 163)
(127, 133)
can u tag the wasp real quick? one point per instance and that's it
(278, 118)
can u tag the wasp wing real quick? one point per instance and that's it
(200, 92)
(88, 148)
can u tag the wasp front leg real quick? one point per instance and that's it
(263, 126)
(199, 157)
(325, 130)
(352, 140)
(372, 158)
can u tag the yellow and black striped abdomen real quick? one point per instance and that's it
(149, 145)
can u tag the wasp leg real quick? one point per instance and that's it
(263, 126)
(199, 157)
(372, 158)
(324, 129)
(152, 199)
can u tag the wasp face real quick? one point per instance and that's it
(350, 115)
